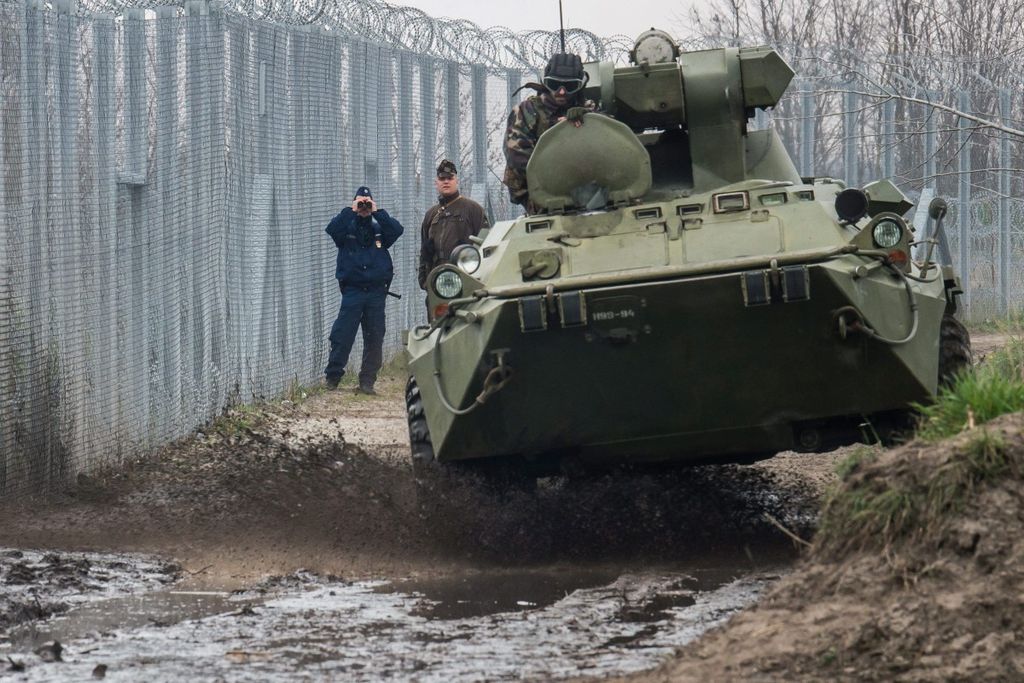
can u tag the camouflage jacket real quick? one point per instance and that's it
(446, 225)
(527, 121)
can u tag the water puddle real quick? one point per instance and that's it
(500, 624)
(102, 618)
(478, 595)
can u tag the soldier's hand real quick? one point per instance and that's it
(576, 114)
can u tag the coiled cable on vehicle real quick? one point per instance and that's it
(859, 325)
(496, 379)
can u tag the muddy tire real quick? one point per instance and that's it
(492, 476)
(422, 449)
(954, 349)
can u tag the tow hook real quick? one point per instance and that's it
(847, 320)
(497, 377)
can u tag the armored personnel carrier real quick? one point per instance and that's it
(680, 294)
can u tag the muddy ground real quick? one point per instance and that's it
(942, 602)
(306, 516)
(288, 543)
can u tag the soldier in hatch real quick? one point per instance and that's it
(560, 97)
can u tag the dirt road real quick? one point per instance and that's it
(288, 544)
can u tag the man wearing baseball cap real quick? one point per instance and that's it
(363, 234)
(449, 223)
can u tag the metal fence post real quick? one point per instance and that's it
(1005, 114)
(850, 132)
(513, 81)
(964, 198)
(171, 233)
(428, 128)
(135, 378)
(889, 139)
(452, 114)
(930, 133)
(108, 288)
(135, 115)
(407, 184)
(807, 121)
(479, 124)
(68, 334)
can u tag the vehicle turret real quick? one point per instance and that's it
(689, 113)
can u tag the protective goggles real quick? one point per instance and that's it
(571, 85)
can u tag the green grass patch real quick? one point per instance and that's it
(861, 455)
(877, 507)
(878, 510)
(241, 418)
(237, 420)
(1013, 323)
(396, 367)
(977, 396)
(298, 392)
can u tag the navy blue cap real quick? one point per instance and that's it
(363, 191)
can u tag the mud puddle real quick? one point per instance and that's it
(488, 624)
(483, 594)
(103, 618)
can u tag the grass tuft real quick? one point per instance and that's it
(861, 455)
(879, 509)
(908, 498)
(977, 396)
(1012, 323)
(237, 421)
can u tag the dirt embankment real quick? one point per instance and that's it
(932, 595)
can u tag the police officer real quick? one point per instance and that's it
(559, 97)
(363, 234)
(449, 223)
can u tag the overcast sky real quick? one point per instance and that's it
(603, 17)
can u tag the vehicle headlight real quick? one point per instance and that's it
(448, 284)
(467, 257)
(887, 234)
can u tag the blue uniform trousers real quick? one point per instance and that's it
(359, 307)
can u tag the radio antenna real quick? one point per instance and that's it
(561, 26)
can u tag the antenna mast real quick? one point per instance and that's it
(561, 26)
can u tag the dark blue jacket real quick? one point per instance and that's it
(363, 243)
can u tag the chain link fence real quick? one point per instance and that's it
(168, 172)
(167, 176)
(948, 131)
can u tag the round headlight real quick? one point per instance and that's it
(887, 234)
(467, 257)
(448, 284)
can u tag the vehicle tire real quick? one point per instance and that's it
(422, 449)
(496, 476)
(954, 349)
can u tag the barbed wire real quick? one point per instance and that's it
(412, 29)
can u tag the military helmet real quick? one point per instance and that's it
(566, 71)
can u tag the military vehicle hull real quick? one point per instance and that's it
(684, 369)
(678, 292)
